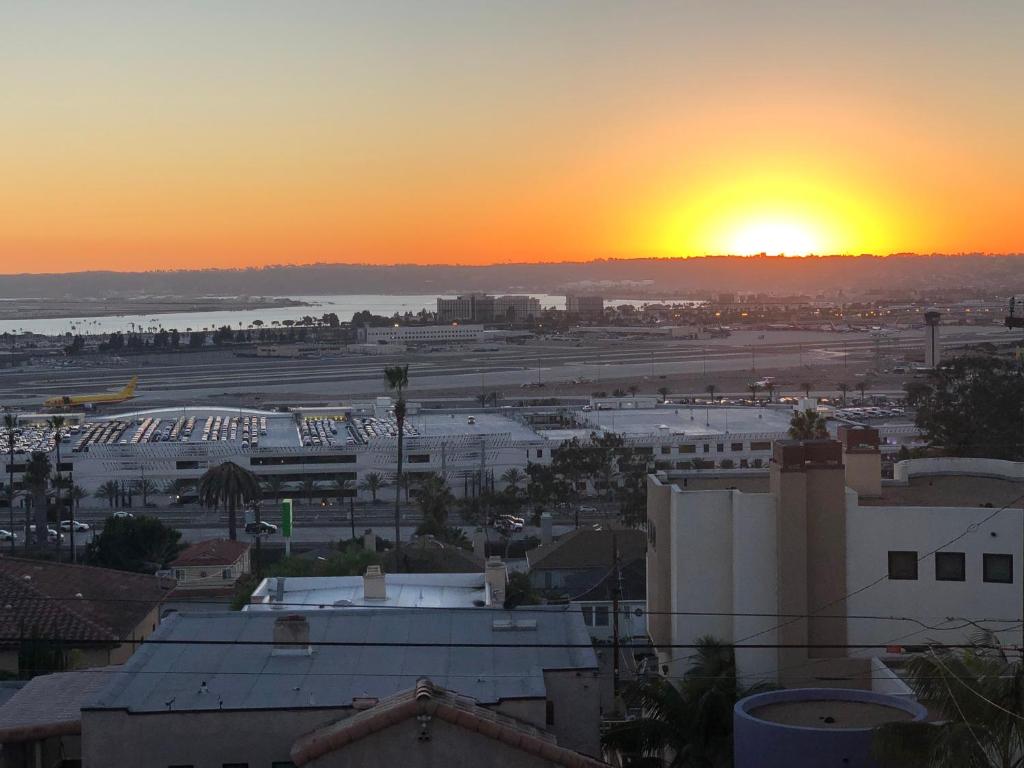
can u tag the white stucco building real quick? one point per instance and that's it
(822, 556)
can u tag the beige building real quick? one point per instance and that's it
(810, 554)
(90, 616)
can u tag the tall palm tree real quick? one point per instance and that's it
(977, 694)
(806, 387)
(57, 424)
(78, 493)
(397, 378)
(754, 389)
(37, 479)
(844, 388)
(110, 491)
(434, 498)
(710, 389)
(862, 387)
(685, 724)
(372, 482)
(345, 488)
(663, 391)
(807, 425)
(11, 427)
(633, 389)
(231, 485)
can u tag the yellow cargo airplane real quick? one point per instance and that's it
(86, 401)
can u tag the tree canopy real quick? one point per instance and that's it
(140, 544)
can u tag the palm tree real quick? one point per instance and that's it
(11, 426)
(686, 724)
(806, 387)
(144, 488)
(512, 477)
(347, 487)
(977, 694)
(807, 425)
(309, 488)
(754, 388)
(231, 485)
(844, 388)
(862, 387)
(275, 485)
(57, 423)
(110, 491)
(663, 391)
(77, 494)
(37, 478)
(633, 389)
(372, 482)
(710, 389)
(397, 377)
(434, 499)
(770, 389)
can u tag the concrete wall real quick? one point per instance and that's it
(578, 697)
(659, 560)
(1010, 470)
(874, 531)
(446, 745)
(754, 591)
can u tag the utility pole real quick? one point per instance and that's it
(616, 590)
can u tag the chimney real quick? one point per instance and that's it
(369, 540)
(278, 595)
(291, 636)
(496, 577)
(374, 587)
(863, 460)
(545, 528)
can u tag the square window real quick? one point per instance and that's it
(736, 446)
(950, 566)
(903, 566)
(707, 447)
(601, 617)
(720, 447)
(997, 569)
(666, 449)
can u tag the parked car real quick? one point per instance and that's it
(7, 535)
(588, 510)
(65, 525)
(262, 528)
(52, 535)
(122, 515)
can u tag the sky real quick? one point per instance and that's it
(162, 135)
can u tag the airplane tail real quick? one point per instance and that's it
(129, 390)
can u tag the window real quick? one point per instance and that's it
(601, 617)
(950, 566)
(418, 458)
(225, 574)
(687, 448)
(761, 445)
(720, 447)
(179, 574)
(547, 579)
(707, 447)
(540, 453)
(997, 569)
(588, 615)
(666, 449)
(903, 566)
(735, 446)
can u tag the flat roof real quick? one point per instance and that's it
(950, 491)
(831, 714)
(695, 421)
(241, 669)
(457, 424)
(408, 590)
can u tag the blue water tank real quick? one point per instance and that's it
(814, 727)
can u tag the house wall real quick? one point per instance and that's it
(578, 696)
(447, 745)
(754, 588)
(212, 576)
(874, 531)
(659, 560)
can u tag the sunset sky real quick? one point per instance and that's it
(151, 135)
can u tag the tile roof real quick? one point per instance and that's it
(75, 602)
(356, 653)
(212, 552)
(589, 548)
(425, 698)
(50, 705)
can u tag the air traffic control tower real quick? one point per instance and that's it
(932, 352)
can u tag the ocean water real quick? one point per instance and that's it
(344, 306)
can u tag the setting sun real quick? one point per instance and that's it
(774, 237)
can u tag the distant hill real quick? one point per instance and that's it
(623, 277)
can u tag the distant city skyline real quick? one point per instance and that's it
(147, 135)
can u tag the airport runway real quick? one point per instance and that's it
(184, 378)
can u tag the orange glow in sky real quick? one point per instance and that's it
(165, 135)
